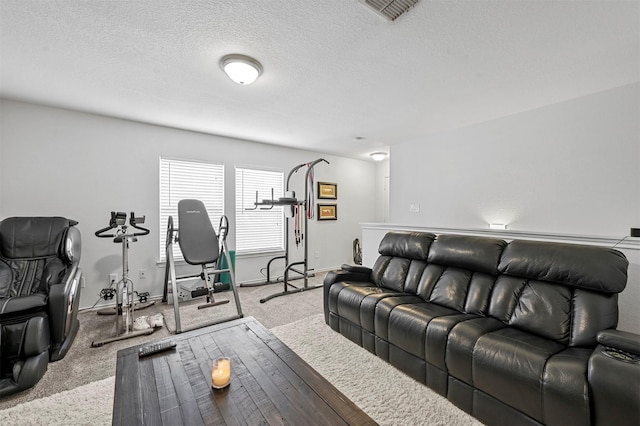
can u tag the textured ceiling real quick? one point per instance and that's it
(333, 69)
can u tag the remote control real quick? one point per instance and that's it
(155, 348)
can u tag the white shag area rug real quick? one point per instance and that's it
(387, 395)
(90, 404)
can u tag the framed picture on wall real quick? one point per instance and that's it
(328, 190)
(327, 212)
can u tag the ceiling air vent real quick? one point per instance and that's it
(390, 9)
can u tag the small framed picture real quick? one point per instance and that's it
(327, 212)
(328, 190)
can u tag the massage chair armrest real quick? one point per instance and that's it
(64, 299)
(15, 306)
(620, 340)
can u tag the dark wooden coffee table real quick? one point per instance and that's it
(270, 383)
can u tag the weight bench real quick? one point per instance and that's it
(200, 246)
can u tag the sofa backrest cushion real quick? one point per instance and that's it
(456, 288)
(461, 271)
(589, 267)
(476, 254)
(402, 258)
(565, 292)
(456, 271)
(409, 245)
(568, 315)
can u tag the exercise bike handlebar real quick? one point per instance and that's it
(120, 219)
(117, 219)
(133, 221)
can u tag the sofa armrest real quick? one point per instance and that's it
(356, 274)
(356, 269)
(614, 378)
(620, 340)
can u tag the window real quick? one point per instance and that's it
(258, 230)
(181, 179)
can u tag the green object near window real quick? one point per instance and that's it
(225, 277)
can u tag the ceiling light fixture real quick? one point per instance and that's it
(241, 68)
(378, 156)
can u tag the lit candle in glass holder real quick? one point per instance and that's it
(221, 373)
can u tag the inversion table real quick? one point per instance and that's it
(200, 246)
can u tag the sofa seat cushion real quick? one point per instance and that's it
(437, 337)
(408, 325)
(509, 364)
(336, 288)
(566, 398)
(383, 311)
(346, 300)
(461, 343)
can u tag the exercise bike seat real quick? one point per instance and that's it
(197, 238)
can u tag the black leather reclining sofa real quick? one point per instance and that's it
(512, 333)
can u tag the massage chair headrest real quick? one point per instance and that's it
(39, 237)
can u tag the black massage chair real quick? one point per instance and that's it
(39, 296)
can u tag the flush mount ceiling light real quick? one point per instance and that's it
(378, 156)
(240, 68)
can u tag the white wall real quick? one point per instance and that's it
(83, 166)
(570, 168)
(382, 190)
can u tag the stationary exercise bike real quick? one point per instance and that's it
(123, 291)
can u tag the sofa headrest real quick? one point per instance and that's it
(410, 245)
(590, 267)
(32, 237)
(478, 254)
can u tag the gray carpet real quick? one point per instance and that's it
(387, 395)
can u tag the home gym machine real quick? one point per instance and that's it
(200, 246)
(123, 292)
(298, 208)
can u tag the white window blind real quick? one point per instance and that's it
(183, 179)
(258, 230)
